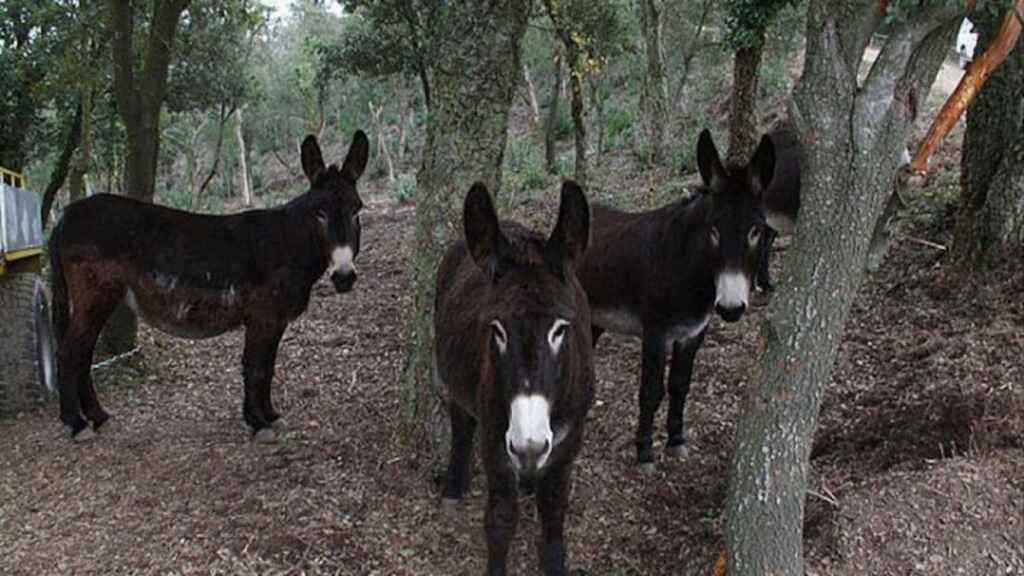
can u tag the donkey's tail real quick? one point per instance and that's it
(58, 285)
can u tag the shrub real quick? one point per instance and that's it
(404, 188)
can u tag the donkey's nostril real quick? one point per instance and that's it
(731, 313)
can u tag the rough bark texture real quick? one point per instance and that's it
(991, 215)
(653, 96)
(243, 164)
(551, 126)
(743, 132)
(850, 143)
(473, 85)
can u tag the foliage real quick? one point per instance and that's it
(747, 20)
(403, 190)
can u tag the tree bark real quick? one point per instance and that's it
(382, 142)
(991, 216)
(531, 97)
(574, 56)
(474, 82)
(653, 96)
(743, 131)
(551, 126)
(83, 158)
(850, 138)
(243, 164)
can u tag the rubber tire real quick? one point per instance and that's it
(28, 369)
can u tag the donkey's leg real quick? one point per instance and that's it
(502, 514)
(456, 482)
(74, 361)
(595, 334)
(258, 371)
(679, 376)
(763, 278)
(266, 398)
(552, 502)
(652, 390)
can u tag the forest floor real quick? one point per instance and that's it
(917, 465)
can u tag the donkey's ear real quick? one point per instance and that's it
(571, 236)
(312, 160)
(708, 161)
(483, 233)
(762, 165)
(355, 160)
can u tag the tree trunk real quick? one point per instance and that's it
(83, 159)
(531, 97)
(382, 141)
(689, 51)
(577, 70)
(139, 100)
(653, 97)
(551, 126)
(60, 170)
(474, 82)
(850, 139)
(243, 164)
(222, 121)
(597, 103)
(743, 131)
(991, 217)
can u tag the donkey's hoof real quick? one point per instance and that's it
(677, 451)
(84, 435)
(450, 505)
(265, 436)
(106, 426)
(646, 467)
(279, 425)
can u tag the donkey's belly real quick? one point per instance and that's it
(619, 321)
(193, 314)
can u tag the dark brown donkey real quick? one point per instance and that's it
(513, 349)
(197, 276)
(661, 274)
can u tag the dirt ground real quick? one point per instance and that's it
(917, 466)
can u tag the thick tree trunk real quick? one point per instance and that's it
(243, 163)
(139, 100)
(551, 126)
(653, 97)
(473, 85)
(83, 159)
(851, 138)
(991, 217)
(743, 131)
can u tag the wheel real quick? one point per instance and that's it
(28, 369)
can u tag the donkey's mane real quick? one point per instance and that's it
(527, 245)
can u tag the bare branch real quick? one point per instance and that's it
(969, 87)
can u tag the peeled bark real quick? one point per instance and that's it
(850, 143)
(991, 217)
(531, 97)
(473, 84)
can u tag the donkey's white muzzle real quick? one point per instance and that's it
(529, 439)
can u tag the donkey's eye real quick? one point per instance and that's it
(499, 336)
(557, 334)
(754, 235)
(713, 236)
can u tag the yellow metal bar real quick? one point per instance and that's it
(22, 254)
(12, 178)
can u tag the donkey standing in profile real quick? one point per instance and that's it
(513, 348)
(198, 275)
(661, 274)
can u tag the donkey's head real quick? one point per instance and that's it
(536, 321)
(735, 220)
(336, 205)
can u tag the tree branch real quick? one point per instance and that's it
(969, 87)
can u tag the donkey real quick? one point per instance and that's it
(782, 198)
(198, 276)
(660, 274)
(513, 349)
